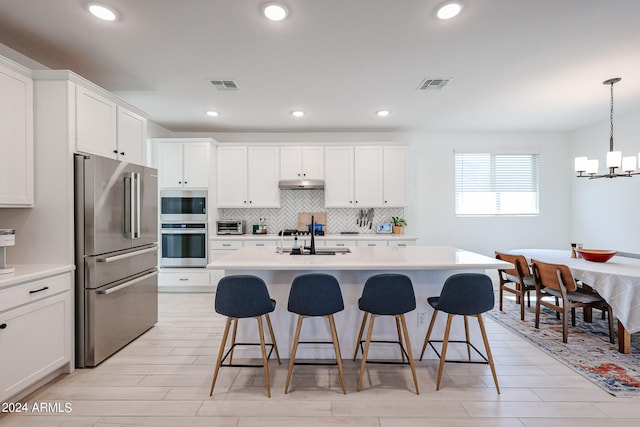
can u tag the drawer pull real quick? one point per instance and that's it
(3, 326)
(339, 244)
(226, 244)
(371, 244)
(183, 279)
(402, 244)
(39, 290)
(259, 244)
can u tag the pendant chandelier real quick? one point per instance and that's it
(588, 168)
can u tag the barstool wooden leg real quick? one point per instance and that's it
(220, 354)
(364, 322)
(233, 340)
(488, 350)
(366, 350)
(292, 357)
(336, 346)
(443, 353)
(273, 337)
(265, 364)
(399, 338)
(409, 351)
(466, 335)
(426, 339)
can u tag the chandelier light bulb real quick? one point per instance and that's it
(581, 164)
(629, 164)
(592, 166)
(614, 159)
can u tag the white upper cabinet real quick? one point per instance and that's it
(353, 176)
(263, 176)
(338, 177)
(95, 124)
(396, 176)
(248, 177)
(131, 136)
(16, 136)
(367, 177)
(183, 164)
(106, 129)
(301, 162)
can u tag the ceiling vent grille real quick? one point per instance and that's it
(433, 84)
(224, 84)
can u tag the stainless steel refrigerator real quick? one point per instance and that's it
(116, 235)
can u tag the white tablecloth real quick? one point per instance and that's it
(617, 280)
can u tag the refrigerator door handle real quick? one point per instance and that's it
(128, 205)
(126, 284)
(127, 255)
(138, 207)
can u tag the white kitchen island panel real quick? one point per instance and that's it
(427, 266)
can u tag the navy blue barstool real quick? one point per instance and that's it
(241, 297)
(387, 295)
(465, 294)
(314, 295)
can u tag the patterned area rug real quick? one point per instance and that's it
(588, 350)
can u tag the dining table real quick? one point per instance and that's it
(616, 280)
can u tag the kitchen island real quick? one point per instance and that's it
(427, 266)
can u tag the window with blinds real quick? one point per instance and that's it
(496, 184)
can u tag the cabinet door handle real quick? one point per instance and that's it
(39, 290)
(186, 182)
(3, 326)
(115, 151)
(122, 153)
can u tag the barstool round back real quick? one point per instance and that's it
(465, 294)
(315, 294)
(243, 296)
(388, 294)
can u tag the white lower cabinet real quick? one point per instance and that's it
(184, 280)
(377, 242)
(35, 332)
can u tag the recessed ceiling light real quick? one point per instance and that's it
(102, 12)
(383, 113)
(275, 11)
(449, 9)
(213, 113)
(297, 113)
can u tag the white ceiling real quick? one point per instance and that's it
(531, 65)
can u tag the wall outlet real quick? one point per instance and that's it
(421, 318)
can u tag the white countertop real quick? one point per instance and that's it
(30, 272)
(361, 236)
(360, 258)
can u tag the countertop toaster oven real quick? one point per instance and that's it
(229, 226)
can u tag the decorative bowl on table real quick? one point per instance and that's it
(596, 255)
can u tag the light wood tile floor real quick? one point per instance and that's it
(163, 379)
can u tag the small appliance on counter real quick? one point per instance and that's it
(7, 238)
(229, 226)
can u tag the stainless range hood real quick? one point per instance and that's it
(301, 184)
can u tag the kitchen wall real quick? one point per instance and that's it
(431, 214)
(294, 201)
(605, 211)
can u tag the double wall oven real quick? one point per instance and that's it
(183, 228)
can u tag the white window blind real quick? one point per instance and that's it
(496, 184)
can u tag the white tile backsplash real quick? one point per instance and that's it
(294, 201)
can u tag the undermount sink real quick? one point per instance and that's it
(320, 251)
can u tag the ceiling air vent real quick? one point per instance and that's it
(224, 84)
(433, 84)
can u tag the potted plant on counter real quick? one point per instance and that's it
(398, 224)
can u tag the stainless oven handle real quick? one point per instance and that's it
(184, 231)
(127, 255)
(126, 284)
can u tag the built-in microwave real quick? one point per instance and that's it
(183, 205)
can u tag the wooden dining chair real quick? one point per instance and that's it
(556, 280)
(517, 280)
